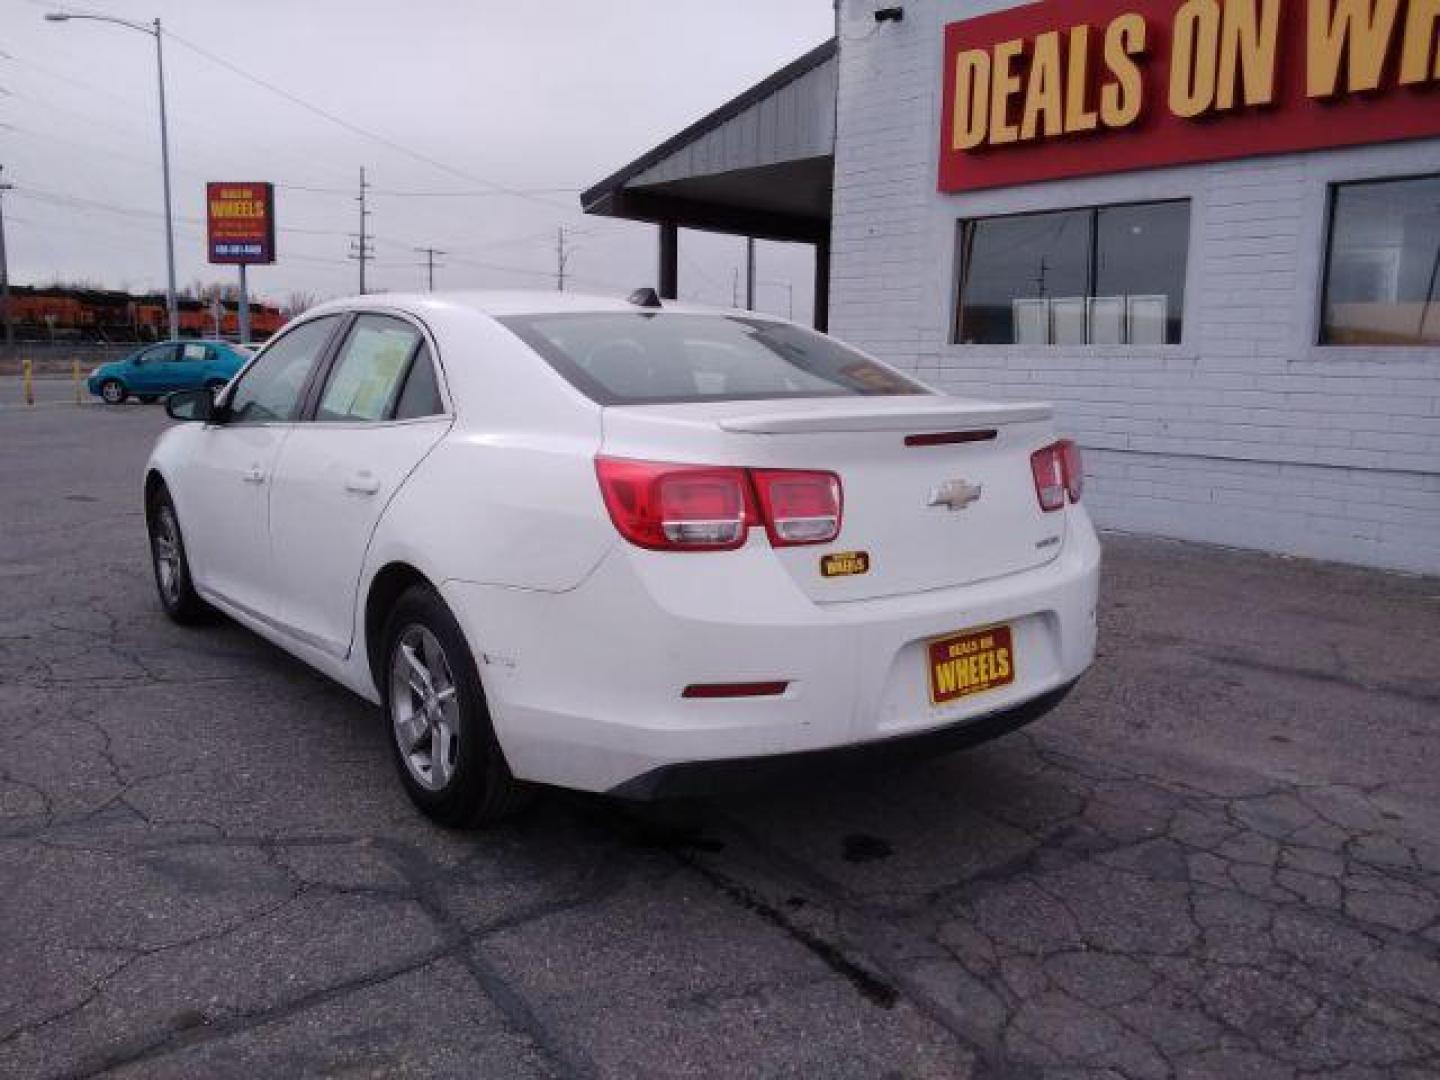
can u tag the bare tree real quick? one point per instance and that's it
(298, 302)
(212, 290)
(79, 284)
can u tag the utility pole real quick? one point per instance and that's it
(5, 271)
(750, 273)
(789, 297)
(735, 288)
(362, 249)
(562, 258)
(1040, 278)
(430, 254)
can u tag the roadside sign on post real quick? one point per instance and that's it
(241, 222)
(240, 231)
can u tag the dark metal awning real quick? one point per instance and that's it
(761, 165)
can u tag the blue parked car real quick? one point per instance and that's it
(162, 369)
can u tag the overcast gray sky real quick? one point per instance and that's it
(544, 96)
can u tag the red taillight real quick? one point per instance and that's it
(798, 507)
(677, 507)
(1074, 469)
(1058, 472)
(668, 507)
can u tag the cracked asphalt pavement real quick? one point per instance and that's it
(1219, 858)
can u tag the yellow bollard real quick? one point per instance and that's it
(29, 383)
(75, 374)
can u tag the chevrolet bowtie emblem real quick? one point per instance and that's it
(955, 494)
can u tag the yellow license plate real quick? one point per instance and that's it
(971, 663)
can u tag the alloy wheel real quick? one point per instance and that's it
(165, 544)
(424, 708)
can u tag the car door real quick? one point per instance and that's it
(150, 369)
(377, 414)
(187, 371)
(221, 366)
(225, 508)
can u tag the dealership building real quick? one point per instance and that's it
(1208, 231)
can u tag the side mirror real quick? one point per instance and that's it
(191, 405)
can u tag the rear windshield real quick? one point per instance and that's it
(644, 358)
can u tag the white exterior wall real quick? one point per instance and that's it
(1247, 433)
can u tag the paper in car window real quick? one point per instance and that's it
(194, 352)
(367, 377)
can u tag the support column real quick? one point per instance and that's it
(750, 273)
(822, 286)
(669, 260)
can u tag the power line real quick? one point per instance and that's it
(194, 131)
(356, 129)
(79, 201)
(195, 225)
(392, 193)
(492, 189)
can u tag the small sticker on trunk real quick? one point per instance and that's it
(845, 564)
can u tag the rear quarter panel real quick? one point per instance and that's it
(520, 511)
(509, 496)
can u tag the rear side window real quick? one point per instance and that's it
(624, 358)
(421, 395)
(160, 354)
(270, 390)
(370, 371)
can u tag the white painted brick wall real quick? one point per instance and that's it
(1247, 433)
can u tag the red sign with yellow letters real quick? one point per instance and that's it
(240, 222)
(971, 663)
(1051, 90)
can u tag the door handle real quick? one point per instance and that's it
(254, 475)
(363, 483)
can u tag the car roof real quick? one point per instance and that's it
(502, 303)
(188, 341)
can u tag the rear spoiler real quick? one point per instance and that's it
(910, 417)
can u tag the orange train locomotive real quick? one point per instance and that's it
(60, 314)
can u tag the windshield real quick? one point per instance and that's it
(643, 358)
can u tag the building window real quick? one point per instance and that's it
(1382, 269)
(1107, 275)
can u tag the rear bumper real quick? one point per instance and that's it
(585, 686)
(702, 778)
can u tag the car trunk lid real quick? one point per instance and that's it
(938, 491)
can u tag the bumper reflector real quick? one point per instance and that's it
(735, 690)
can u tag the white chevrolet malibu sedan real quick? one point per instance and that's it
(625, 547)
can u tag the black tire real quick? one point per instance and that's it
(171, 564)
(147, 399)
(479, 788)
(113, 392)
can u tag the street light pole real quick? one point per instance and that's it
(154, 30)
(170, 303)
(5, 273)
